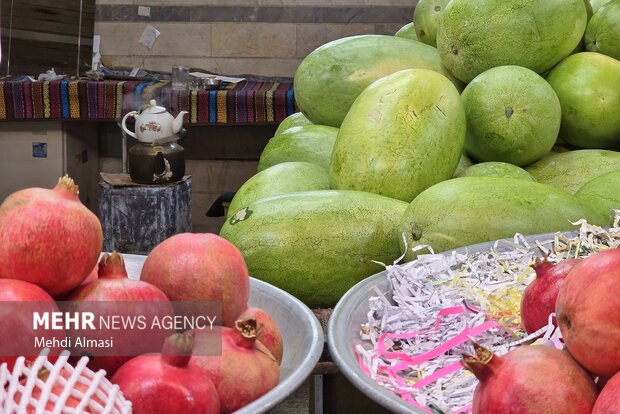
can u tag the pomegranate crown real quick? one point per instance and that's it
(479, 363)
(114, 259)
(112, 266)
(43, 374)
(249, 331)
(179, 344)
(177, 349)
(247, 328)
(68, 184)
(542, 266)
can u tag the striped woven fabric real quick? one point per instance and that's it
(248, 102)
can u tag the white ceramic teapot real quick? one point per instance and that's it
(154, 123)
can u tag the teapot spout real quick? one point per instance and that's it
(177, 123)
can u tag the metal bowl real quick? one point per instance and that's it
(301, 333)
(350, 312)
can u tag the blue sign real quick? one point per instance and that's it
(39, 149)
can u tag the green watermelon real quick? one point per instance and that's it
(309, 143)
(513, 116)
(330, 78)
(316, 245)
(464, 162)
(407, 32)
(294, 120)
(603, 31)
(426, 18)
(602, 195)
(404, 133)
(558, 148)
(474, 36)
(571, 170)
(496, 169)
(588, 86)
(589, 9)
(283, 178)
(470, 210)
(582, 46)
(597, 4)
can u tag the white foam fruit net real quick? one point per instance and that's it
(63, 390)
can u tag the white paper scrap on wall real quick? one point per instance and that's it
(220, 77)
(96, 61)
(149, 36)
(144, 11)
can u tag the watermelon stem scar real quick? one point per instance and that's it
(240, 215)
(416, 233)
(509, 112)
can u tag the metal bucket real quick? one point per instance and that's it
(301, 333)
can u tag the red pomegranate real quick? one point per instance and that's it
(92, 276)
(112, 287)
(200, 267)
(529, 380)
(588, 313)
(243, 372)
(167, 383)
(267, 331)
(539, 297)
(48, 237)
(608, 401)
(18, 302)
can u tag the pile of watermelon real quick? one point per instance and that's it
(478, 120)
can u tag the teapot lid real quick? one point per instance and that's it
(152, 108)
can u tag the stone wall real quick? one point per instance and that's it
(258, 37)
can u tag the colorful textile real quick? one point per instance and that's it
(248, 102)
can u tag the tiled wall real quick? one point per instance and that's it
(259, 37)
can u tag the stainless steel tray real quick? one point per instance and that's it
(350, 313)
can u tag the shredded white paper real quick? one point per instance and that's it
(417, 332)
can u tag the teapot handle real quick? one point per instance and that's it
(123, 124)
